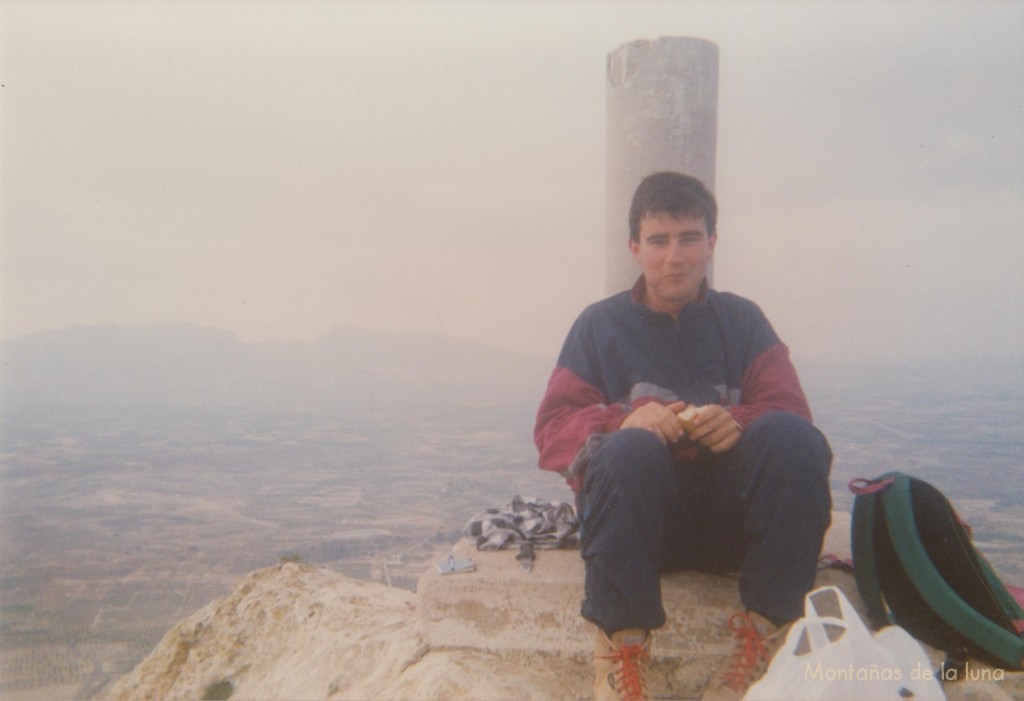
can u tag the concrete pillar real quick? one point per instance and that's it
(662, 114)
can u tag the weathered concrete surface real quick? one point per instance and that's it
(503, 610)
(661, 114)
(493, 606)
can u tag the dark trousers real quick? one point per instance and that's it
(761, 508)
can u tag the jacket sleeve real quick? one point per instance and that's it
(576, 404)
(770, 383)
(571, 411)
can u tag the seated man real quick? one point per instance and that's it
(742, 487)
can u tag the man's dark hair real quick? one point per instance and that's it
(675, 194)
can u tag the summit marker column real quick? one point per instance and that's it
(662, 114)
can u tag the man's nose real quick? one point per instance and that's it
(676, 251)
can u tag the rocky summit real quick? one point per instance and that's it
(298, 632)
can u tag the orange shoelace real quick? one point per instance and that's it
(749, 654)
(630, 680)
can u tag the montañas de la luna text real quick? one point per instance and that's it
(964, 672)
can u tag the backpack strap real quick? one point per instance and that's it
(1010, 598)
(861, 486)
(862, 534)
(934, 589)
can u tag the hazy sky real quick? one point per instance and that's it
(276, 168)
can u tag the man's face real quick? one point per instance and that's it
(674, 254)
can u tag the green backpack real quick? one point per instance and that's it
(916, 567)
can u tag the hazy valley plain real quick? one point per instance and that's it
(128, 507)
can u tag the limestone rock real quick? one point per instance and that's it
(297, 632)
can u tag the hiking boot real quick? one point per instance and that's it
(620, 665)
(755, 642)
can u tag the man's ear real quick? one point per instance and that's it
(712, 240)
(634, 247)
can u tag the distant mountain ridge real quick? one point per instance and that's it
(175, 364)
(186, 364)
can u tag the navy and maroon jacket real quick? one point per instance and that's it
(621, 354)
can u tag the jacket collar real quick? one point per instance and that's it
(636, 295)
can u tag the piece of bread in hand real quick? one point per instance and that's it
(687, 417)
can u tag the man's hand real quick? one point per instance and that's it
(715, 429)
(660, 419)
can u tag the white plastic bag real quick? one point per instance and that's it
(829, 655)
